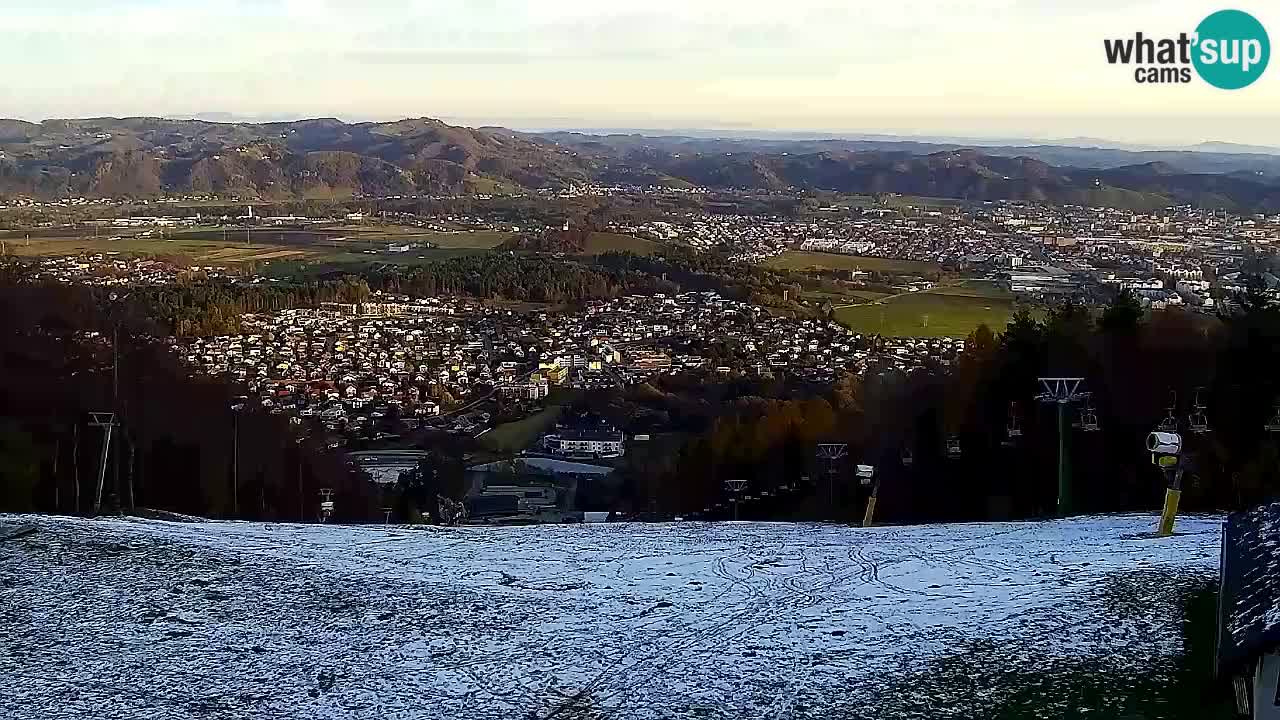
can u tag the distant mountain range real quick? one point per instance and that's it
(938, 141)
(328, 158)
(321, 158)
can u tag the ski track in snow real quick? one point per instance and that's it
(140, 619)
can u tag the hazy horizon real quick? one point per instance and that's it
(961, 68)
(740, 131)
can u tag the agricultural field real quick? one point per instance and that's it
(520, 435)
(232, 246)
(602, 242)
(356, 239)
(846, 297)
(945, 312)
(416, 256)
(196, 250)
(337, 244)
(799, 260)
(974, 288)
(897, 201)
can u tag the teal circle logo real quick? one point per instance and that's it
(1232, 49)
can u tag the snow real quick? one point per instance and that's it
(150, 619)
(1255, 610)
(550, 465)
(385, 474)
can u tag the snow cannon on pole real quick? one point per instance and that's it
(866, 475)
(1166, 454)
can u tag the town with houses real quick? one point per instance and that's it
(374, 379)
(1175, 256)
(1169, 257)
(360, 370)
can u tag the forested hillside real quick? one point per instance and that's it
(56, 365)
(330, 159)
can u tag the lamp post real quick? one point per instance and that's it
(298, 442)
(236, 408)
(117, 302)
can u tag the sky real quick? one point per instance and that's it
(982, 68)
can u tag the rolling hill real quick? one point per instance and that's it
(145, 157)
(328, 158)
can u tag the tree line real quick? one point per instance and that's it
(178, 443)
(941, 437)
(513, 277)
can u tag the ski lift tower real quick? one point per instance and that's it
(736, 487)
(1063, 391)
(831, 454)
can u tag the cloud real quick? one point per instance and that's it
(477, 56)
(829, 63)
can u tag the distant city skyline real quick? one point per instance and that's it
(967, 68)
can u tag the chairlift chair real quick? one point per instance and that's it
(1014, 431)
(1197, 420)
(954, 450)
(1273, 425)
(907, 458)
(326, 504)
(1170, 422)
(1089, 418)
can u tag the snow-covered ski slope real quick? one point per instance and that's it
(109, 619)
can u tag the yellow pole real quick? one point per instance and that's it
(868, 519)
(1171, 498)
